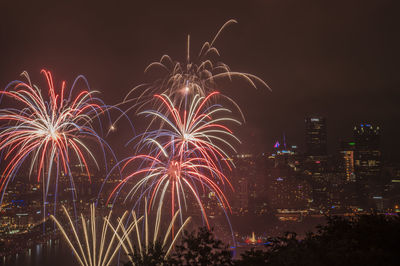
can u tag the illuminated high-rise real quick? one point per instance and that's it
(367, 163)
(367, 156)
(347, 159)
(316, 139)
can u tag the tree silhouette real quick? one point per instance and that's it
(363, 240)
(201, 249)
(155, 256)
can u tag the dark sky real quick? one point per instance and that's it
(339, 59)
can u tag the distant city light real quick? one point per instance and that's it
(276, 144)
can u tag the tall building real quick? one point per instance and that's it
(367, 156)
(347, 149)
(316, 139)
(367, 163)
(244, 171)
(315, 161)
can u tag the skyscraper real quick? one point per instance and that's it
(316, 160)
(367, 156)
(316, 140)
(367, 163)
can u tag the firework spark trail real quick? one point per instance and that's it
(144, 241)
(48, 131)
(91, 248)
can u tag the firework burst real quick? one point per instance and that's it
(48, 132)
(198, 75)
(169, 173)
(201, 127)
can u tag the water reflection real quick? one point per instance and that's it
(53, 252)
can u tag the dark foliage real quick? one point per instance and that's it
(363, 240)
(253, 257)
(201, 249)
(153, 257)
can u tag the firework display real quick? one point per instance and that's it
(185, 147)
(181, 156)
(48, 133)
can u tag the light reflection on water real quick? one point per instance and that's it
(53, 253)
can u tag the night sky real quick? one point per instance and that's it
(339, 59)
